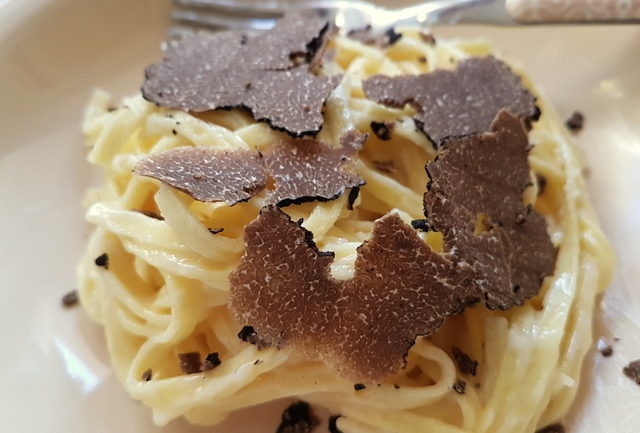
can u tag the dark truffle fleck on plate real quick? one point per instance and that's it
(367, 330)
(70, 299)
(455, 103)
(270, 73)
(333, 424)
(146, 375)
(465, 363)
(480, 179)
(359, 386)
(607, 351)
(298, 418)
(553, 428)
(382, 130)
(189, 362)
(460, 387)
(632, 371)
(102, 260)
(215, 231)
(207, 174)
(575, 122)
(210, 362)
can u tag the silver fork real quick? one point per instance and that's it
(189, 15)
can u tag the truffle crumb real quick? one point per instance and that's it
(102, 260)
(388, 167)
(632, 371)
(575, 122)
(553, 428)
(605, 349)
(396, 386)
(70, 299)
(460, 387)
(382, 130)
(333, 424)
(211, 361)
(215, 231)
(249, 335)
(359, 386)
(353, 196)
(421, 224)
(427, 38)
(189, 362)
(146, 375)
(542, 183)
(465, 363)
(298, 418)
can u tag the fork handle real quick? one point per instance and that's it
(538, 11)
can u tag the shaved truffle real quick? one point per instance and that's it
(269, 73)
(303, 170)
(207, 174)
(632, 371)
(456, 103)
(248, 335)
(308, 170)
(480, 179)
(298, 418)
(364, 326)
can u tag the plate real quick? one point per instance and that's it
(54, 372)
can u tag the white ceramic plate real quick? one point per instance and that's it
(54, 369)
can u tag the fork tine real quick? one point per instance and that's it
(246, 7)
(215, 21)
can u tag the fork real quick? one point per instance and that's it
(189, 15)
(230, 14)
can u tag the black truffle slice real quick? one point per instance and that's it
(207, 174)
(474, 199)
(269, 73)
(632, 371)
(309, 170)
(363, 327)
(298, 418)
(456, 103)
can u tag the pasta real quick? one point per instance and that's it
(167, 288)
